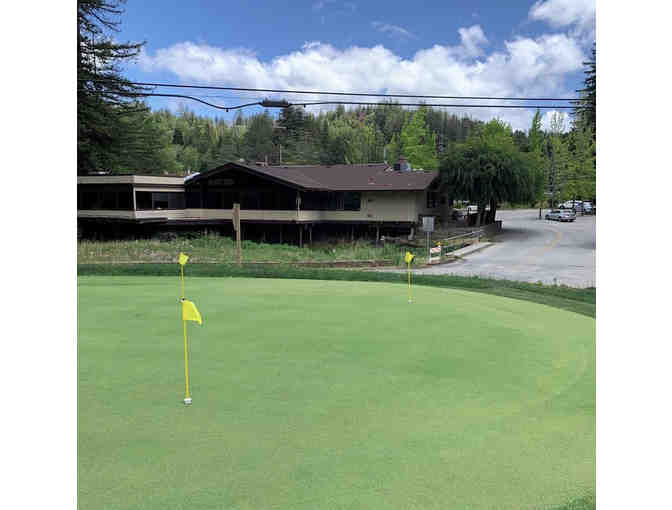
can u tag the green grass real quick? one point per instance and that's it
(567, 298)
(331, 394)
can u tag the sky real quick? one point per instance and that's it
(477, 48)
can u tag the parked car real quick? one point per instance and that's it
(472, 209)
(575, 205)
(587, 207)
(561, 215)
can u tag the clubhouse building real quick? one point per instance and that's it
(275, 201)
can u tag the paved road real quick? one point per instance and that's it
(532, 250)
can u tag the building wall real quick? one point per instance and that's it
(375, 206)
(390, 205)
(421, 205)
(148, 180)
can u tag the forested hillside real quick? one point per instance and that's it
(183, 142)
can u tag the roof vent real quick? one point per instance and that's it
(404, 165)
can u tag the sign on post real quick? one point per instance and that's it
(428, 227)
(435, 255)
(428, 223)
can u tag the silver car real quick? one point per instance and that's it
(561, 215)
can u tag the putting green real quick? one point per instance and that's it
(311, 394)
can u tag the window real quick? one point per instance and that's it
(124, 200)
(352, 201)
(96, 197)
(90, 200)
(432, 199)
(213, 200)
(249, 200)
(156, 200)
(331, 201)
(109, 200)
(193, 199)
(267, 200)
(143, 200)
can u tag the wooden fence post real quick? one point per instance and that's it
(236, 226)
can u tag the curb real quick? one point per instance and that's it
(469, 250)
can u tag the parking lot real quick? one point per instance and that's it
(533, 250)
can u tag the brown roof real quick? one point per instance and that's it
(373, 176)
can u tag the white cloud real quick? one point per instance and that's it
(524, 68)
(391, 29)
(472, 38)
(578, 14)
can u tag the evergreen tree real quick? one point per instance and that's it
(418, 144)
(581, 178)
(585, 106)
(535, 136)
(258, 139)
(558, 160)
(104, 109)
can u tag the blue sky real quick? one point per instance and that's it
(483, 48)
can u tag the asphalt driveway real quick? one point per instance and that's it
(533, 250)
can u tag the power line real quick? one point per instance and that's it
(285, 104)
(437, 105)
(281, 91)
(143, 94)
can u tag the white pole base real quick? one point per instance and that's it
(187, 401)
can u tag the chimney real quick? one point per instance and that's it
(404, 165)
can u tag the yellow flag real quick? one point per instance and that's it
(190, 312)
(183, 259)
(409, 257)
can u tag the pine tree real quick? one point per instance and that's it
(103, 107)
(257, 141)
(585, 106)
(418, 144)
(558, 161)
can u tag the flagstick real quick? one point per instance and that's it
(409, 282)
(182, 279)
(187, 396)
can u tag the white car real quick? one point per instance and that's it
(576, 205)
(561, 215)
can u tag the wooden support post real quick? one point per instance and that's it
(300, 236)
(377, 234)
(352, 233)
(310, 235)
(281, 227)
(236, 226)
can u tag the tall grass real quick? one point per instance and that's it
(216, 248)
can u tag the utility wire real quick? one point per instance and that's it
(280, 91)
(437, 105)
(261, 103)
(143, 94)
